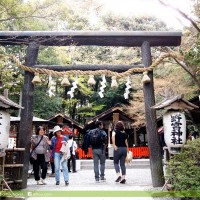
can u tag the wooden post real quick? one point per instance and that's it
(25, 129)
(151, 126)
(135, 136)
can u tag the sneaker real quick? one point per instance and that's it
(66, 183)
(52, 175)
(40, 182)
(97, 180)
(74, 171)
(123, 181)
(103, 179)
(57, 183)
(43, 181)
(118, 179)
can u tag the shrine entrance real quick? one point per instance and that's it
(145, 40)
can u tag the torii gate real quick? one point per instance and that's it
(143, 39)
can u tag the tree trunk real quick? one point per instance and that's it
(151, 127)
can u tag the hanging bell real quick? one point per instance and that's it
(146, 78)
(114, 83)
(91, 80)
(36, 79)
(65, 81)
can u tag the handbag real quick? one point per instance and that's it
(129, 157)
(31, 159)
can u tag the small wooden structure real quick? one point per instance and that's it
(174, 121)
(109, 119)
(63, 120)
(68, 125)
(175, 103)
(11, 163)
(14, 127)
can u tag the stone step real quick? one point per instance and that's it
(135, 164)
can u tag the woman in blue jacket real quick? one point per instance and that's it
(56, 143)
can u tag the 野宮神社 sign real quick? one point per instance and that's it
(174, 130)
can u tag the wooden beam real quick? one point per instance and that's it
(98, 38)
(116, 68)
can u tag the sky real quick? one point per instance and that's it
(138, 7)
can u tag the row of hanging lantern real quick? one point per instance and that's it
(91, 81)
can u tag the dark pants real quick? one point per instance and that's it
(119, 160)
(52, 168)
(40, 162)
(73, 160)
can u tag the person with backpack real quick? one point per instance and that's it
(72, 146)
(98, 140)
(120, 144)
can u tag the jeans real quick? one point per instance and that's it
(99, 157)
(57, 158)
(119, 158)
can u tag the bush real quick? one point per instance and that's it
(183, 169)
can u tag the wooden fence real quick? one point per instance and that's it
(11, 167)
(138, 152)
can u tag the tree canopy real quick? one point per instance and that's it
(171, 77)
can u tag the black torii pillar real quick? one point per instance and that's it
(26, 127)
(150, 114)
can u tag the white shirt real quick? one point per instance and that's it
(74, 145)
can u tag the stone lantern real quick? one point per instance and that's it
(174, 121)
(5, 103)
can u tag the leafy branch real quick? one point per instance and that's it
(194, 24)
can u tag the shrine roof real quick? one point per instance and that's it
(175, 103)
(6, 103)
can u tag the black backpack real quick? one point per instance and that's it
(96, 138)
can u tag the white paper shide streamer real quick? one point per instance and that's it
(103, 85)
(74, 86)
(51, 89)
(127, 90)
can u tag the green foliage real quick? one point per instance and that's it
(133, 23)
(45, 106)
(193, 55)
(184, 168)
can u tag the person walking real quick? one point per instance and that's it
(98, 141)
(41, 154)
(120, 144)
(60, 152)
(72, 146)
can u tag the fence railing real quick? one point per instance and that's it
(138, 152)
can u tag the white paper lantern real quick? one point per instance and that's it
(4, 130)
(174, 130)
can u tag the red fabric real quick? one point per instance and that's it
(58, 144)
(66, 130)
